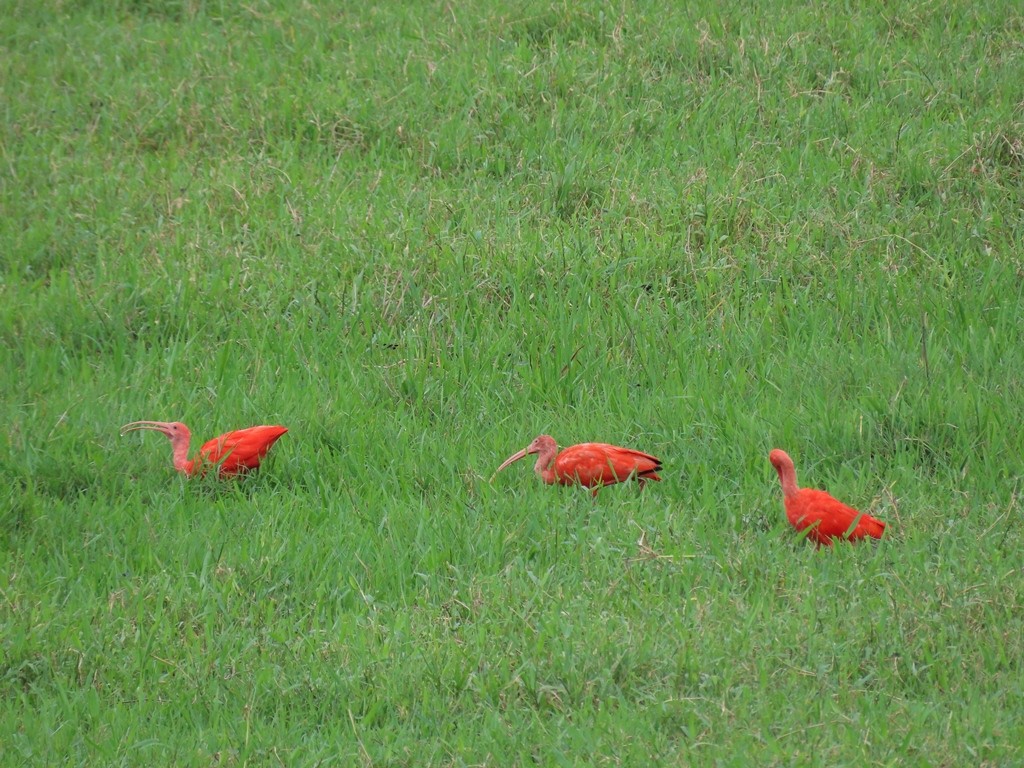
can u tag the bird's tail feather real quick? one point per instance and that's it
(872, 526)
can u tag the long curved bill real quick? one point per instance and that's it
(159, 426)
(510, 460)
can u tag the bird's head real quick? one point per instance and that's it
(174, 430)
(540, 444)
(779, 458)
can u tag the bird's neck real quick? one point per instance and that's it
(787, 475)
(543, 466)
(181, 460)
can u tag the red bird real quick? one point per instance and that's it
(232, 452)
(592, 465)
(827, 517)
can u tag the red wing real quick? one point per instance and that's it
(602, 464)
(833, 518)
(242, 449)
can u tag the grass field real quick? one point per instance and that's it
(420, 233)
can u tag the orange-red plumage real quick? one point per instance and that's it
(232, 452)
(242, 449)
(807, 507)
(592, 465)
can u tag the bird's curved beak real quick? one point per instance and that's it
(158, 426)
(510, 460)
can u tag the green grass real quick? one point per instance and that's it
(418, 234)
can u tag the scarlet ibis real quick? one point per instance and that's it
(592, 465)
(233, 452)
(827, 517)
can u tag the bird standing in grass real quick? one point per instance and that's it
(592, 465)
(232, 452)
(827, 517)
